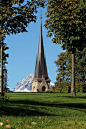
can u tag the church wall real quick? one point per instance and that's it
(39, 86)
(34, 86)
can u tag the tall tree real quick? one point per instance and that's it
(66, 22)
(63, 64)
(15, 15)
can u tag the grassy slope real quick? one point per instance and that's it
(43, 111)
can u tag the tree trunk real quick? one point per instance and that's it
(1, 42)
(73, 92)
(2, 93)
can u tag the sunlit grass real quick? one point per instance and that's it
(43, 111)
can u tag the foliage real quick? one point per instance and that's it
(79, 87)
(3, 98)
(43, 111)
(63, 64)
(67, 23)
(80, 68)
(16, 15)
(65, 87)
(62, 87)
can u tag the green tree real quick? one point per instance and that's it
(63, 64)
(66, 22)
(80, 68)
(15, 15)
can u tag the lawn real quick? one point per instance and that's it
(43, 111)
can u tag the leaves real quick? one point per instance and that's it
(8, 126)
(1, 123)
(63, 64)
(1, 18)
(39, 117)
(28, 126)
(33, 123)
(7, 120)
(15, 19)
(69, 18)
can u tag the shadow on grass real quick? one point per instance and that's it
(34, 108)
(50, 104)
(69, 96)
(23, 108)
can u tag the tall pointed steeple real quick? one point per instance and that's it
(41, 67)
(41, 81)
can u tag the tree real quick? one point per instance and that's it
(3, 70)
(80, 68)
(63, 64)
(67, 24)
(15, 16)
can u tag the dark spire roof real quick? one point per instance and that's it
(41, 68)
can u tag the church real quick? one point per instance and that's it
(41, 81)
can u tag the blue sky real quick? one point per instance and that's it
(23, 49)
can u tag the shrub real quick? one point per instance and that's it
(65, 87)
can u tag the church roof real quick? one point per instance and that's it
(41, 67)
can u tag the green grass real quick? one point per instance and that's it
(43, 111)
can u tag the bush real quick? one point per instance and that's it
(65, 87)
(62, 87)
(79, 87)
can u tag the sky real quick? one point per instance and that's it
(23, 49)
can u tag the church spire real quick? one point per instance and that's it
(41, 68)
